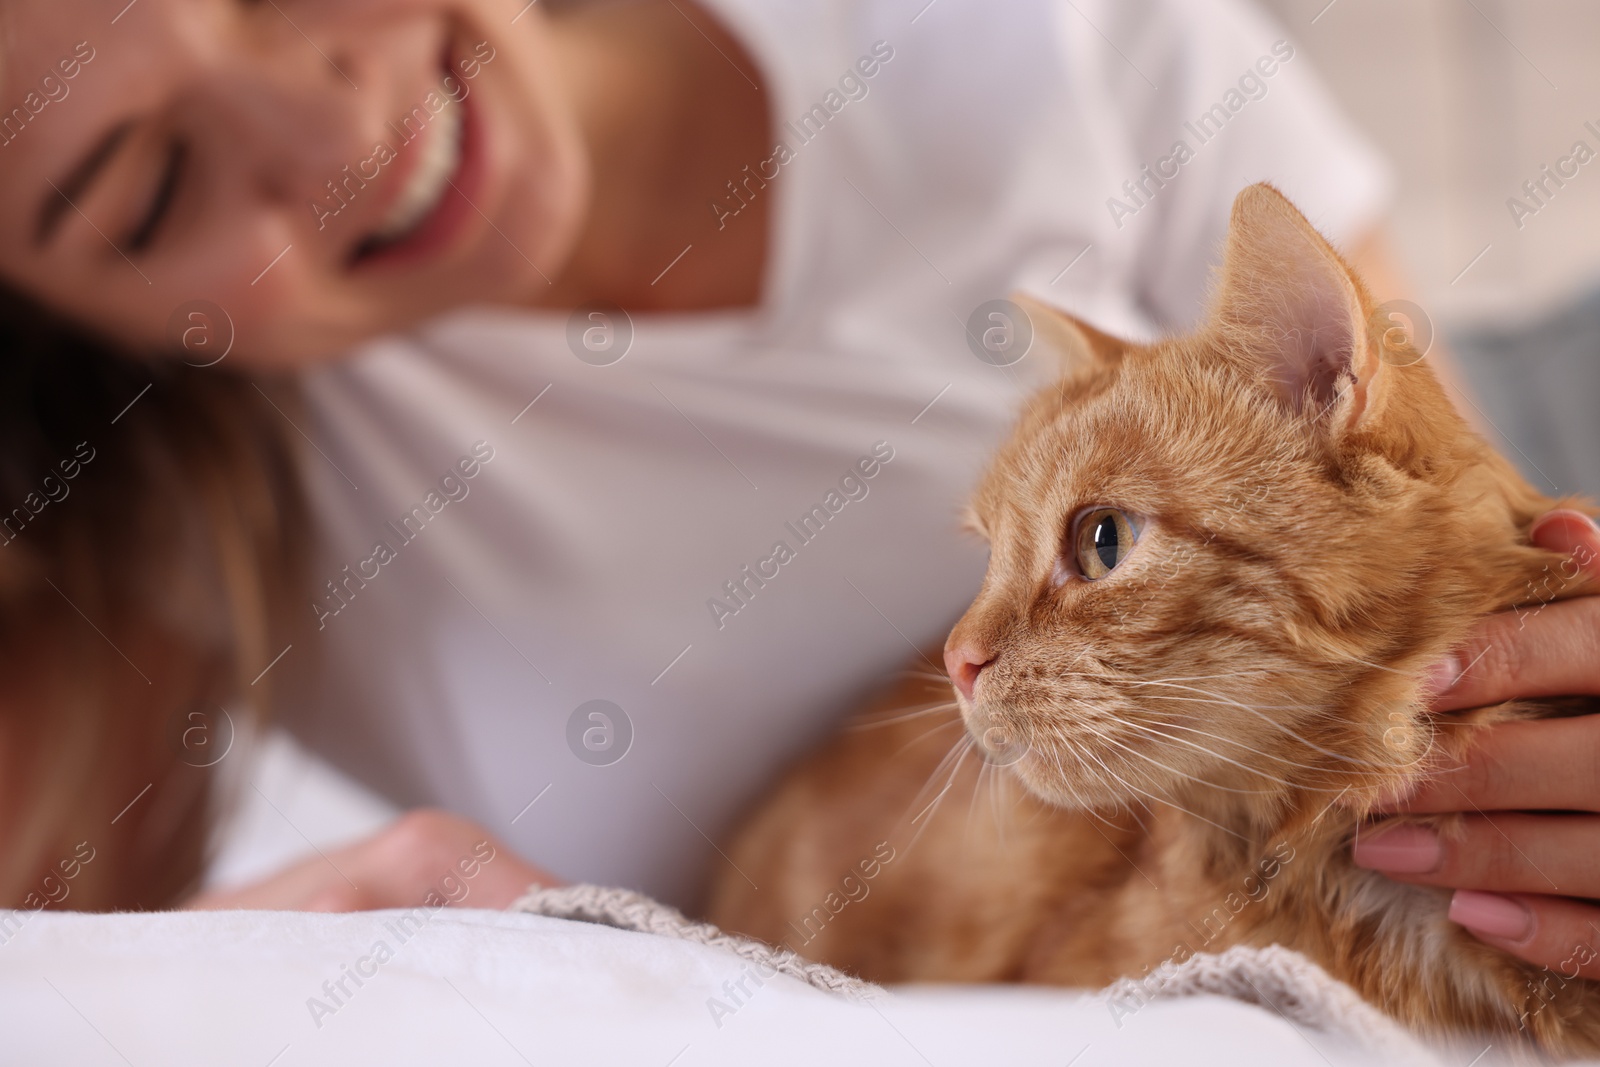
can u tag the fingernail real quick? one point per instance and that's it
(1403, 849)
(1441, 676)
(1557, 516)
(1491, 914)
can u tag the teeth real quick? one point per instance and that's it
(441, 153)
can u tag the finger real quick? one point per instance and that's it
(424, 857)
(430, 855)
(337, 896)
(1544, 648)
(1553, 932)
(1518, 853)
(505, 878)
(1540, 764)
(294, 888)
(1540, 651)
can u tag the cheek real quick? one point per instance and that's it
(286, 306)
(539, 165)
(285, 298)
(244, 294)
(207, 287)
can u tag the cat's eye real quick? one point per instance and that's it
(1104, 538)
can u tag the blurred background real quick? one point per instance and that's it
(1469, 99)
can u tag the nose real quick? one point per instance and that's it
(290, 126)
(964, 661)
(298, 100)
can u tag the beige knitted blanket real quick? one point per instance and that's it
(1275, 978)
(627, 910)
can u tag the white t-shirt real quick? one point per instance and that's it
(600, 551)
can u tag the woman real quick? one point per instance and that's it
(589, 576)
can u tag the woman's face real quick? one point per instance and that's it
(318, 170)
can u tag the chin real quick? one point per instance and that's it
(541, 169)
(545, 223)
(1070, 792)
(1063, 779)
(523, 243)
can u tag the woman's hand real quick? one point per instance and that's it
(1526, 881)
(422, 858)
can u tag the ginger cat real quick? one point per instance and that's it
(1219, 565)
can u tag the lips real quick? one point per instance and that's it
(434, 198)
(439, 157)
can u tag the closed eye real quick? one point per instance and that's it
(144, 234)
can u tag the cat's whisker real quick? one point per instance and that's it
(957, 749)
(1176, 806)
(1258, 711)
(1112, 776)
(1095, 757)
(1239, 673)
(1354, 761)
(1225, 701)
(1083, 759)
(1062, 778)
(1242, 766)
(1230, 700)
(1211, 698)
(899, 715)
(1269, 720)
(1123, 679)
(951, 760)
(1173, 770)
(925, 816)
(1228, 740)
(924, 736)
(915, 672)
(1381, 667)
(954, 756)
(999, 785)
(1212, 752)
(977, 785)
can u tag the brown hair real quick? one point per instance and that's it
(151, 527)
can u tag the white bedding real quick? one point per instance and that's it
(487, 988)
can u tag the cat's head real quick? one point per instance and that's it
(1220, 562)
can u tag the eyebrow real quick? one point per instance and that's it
(61, 196)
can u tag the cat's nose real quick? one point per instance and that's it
(964, 662)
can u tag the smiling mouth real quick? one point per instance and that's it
(441, 148)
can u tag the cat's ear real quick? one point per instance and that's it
(1298, 309)
(1075, 344)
